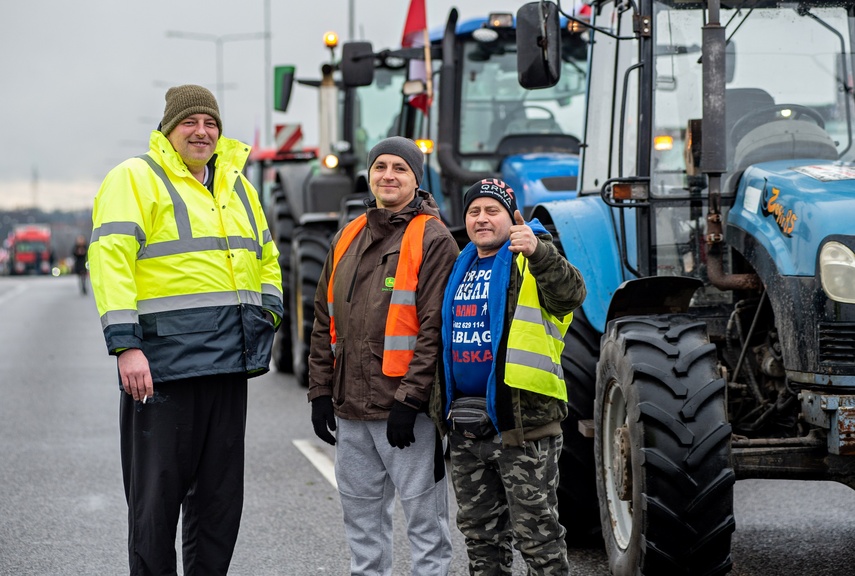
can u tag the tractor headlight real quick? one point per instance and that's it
(837, 272)
(330, 161)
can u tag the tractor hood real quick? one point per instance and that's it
(791, 206)
(541, 177)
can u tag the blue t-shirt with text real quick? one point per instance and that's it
(471, 344)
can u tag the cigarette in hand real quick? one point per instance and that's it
(145, 398)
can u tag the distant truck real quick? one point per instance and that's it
(30, 250)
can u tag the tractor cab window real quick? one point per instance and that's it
(498, 117)
(783, 99)
(614, 79)
(373, 106)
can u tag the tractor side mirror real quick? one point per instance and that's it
(729, 61)
(357, 64)
(284, 80)
(538, 45)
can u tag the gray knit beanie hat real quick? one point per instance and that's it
(186, 100)
(404, 148)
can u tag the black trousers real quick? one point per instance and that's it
(183, 451)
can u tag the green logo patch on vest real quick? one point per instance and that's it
(390, 283)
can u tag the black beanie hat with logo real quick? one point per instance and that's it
(186, 100)
(492, 188)
(403, 148)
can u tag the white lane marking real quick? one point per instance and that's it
(12, 293)
(319, 459)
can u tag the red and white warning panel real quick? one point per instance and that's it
(287, 146)
(289, 137)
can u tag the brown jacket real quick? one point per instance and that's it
(355, 380)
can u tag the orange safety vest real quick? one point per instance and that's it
(402, 322)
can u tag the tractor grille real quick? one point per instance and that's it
(559, 183)
(837, 343)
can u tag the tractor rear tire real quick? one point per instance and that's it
(662, 449)
(282, 230)
(309, 251)
(578, 508)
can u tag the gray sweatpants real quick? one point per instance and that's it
(368, 471)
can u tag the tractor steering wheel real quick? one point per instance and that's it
(765, 115)
(520, 112)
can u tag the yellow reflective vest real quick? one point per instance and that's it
(535, 342)
(182, 273)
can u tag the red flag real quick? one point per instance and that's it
(416, 35)
(415, 25)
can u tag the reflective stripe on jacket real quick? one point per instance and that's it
(535, 342)
(518, 413)
(181, 273)
(402, 322)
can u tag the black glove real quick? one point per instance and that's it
(399, 427)
(323, 417)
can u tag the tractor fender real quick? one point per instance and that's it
(361, 182)
(585, 234)
(653, 295)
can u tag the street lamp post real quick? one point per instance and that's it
(268, 73)
(218, 41)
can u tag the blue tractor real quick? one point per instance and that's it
(480, 123)
(713, 226)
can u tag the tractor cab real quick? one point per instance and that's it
(781, 92)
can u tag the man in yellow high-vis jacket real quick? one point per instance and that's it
(189, 290)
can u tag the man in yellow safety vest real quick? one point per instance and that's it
(507, 306)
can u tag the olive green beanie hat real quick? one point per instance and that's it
(186, 100)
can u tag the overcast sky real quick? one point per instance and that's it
(83, 81)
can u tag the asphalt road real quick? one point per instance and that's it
(62, 509)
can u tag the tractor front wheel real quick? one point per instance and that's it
(662, 449)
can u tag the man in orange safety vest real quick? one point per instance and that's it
(372, 364)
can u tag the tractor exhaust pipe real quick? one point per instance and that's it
(713, 160)
(449, 164)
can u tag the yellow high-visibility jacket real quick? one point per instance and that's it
(181, 273)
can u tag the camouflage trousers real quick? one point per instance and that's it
(507, 496)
